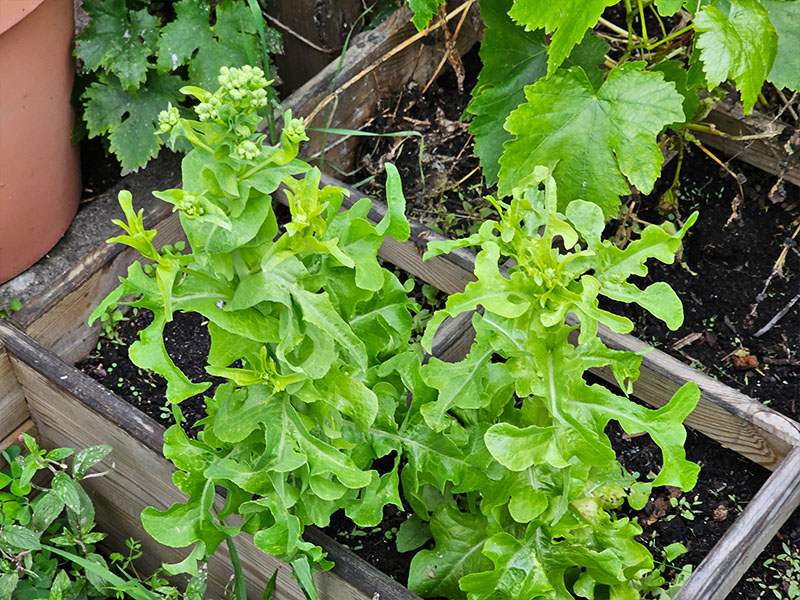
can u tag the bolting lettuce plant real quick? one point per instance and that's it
(507, 456)
(300, 318)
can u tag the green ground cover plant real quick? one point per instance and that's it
(48, 535)
(502, 457)
(549, 93)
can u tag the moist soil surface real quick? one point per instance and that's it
(737, 273)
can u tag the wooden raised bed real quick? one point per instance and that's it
(42, 394)
(68, 408)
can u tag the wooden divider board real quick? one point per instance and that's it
(72, 410)
(768, 154)
(13, 408)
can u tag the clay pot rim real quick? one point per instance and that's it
(14, 12)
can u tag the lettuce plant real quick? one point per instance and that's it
(300, 318)
(507, 455)
(550, 94)
(503, 457)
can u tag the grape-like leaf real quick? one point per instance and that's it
(737, 41)
(117, 40)
(189, 39)
(129, 120)
(785, 17)
(668, 7)
(424, 11)
(567, 20)
(596, 141)
(513, 58)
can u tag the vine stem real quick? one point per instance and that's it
(712, 130)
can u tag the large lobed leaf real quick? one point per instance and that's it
(189, 40)
(567, 20)
(117, 41)
(514, 57)
(785, 18)
(737, 41)
(597, 142)
(129, 118)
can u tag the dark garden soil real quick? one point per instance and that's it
(735, 276)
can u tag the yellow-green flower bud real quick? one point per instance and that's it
(247, 150)
(167, 119)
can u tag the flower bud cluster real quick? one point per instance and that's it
(167, 119)
(246, 86)
(247, 150)
(190, 206)
(208, 111)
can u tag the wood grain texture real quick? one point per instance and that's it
(13, 407)
(366, 74)
(722, 568)
(72, 410)
(323, 23)
(766, 154)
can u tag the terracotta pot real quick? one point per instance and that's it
(39, 167)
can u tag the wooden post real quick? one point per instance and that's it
(314, 32)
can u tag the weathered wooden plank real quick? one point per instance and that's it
(375, 62)
(722, 568)
(13, 408)
(767, 154)
(312, 29)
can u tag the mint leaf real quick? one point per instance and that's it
(785, 18)
(567, 20)
(423, 11)
(190, 40)
(118, 41)
(129, 119)
(737, 41)
(513, 58)
(596, 141)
